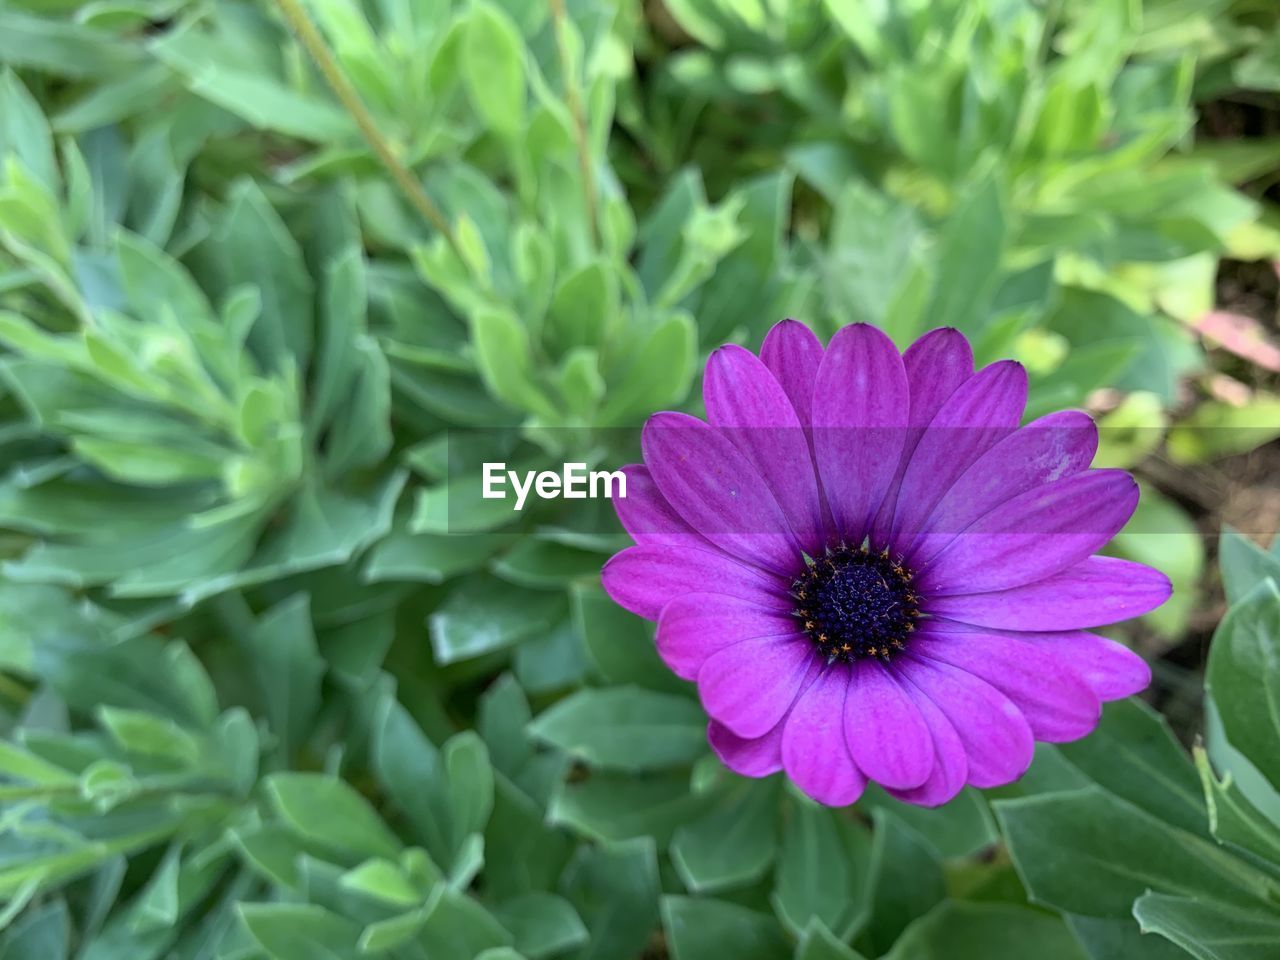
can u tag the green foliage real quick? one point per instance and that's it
(1157, 844)
(276, 683)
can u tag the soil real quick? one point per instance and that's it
(1241, 492)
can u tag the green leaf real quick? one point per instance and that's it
(1120, 939)
(342, 317)
(1244, 564)
(393, 932)
(24, 132)
(579, 382)
(747, 287)
(411, 771)
(150, 277)
(466, 761)
(1243, 678)
(583, 304)
(660, 233)
(731, 845)
(38, 934)
(210, 69)
(1135, 756)
(524, 853)
(381, 880)
(543, 924)
(299, 931)
(1231, 763)
(429, 558)
(817, 875)
(624, 728)
(616, 807)
(238, 741)
(552, 661)
(504, 356)
(258, 249)
(1089, 853)
(699, 928)
(619, 643)
(542, 564)
(29, 212)
(658, 372)
(1234, 820)
(149, 735)
(1210, 931)
(502, 715)
(28, 612)
(906, 880)
(615, 888)
(281, 652)
(24, 766)
(493, 68)
(161, 901)
(819, 943)
(1071, 117)
(959, 828)
(272, 852)
(328, 812)
(1114, 344)
(61, 47)
(78, 659)
(992, 931)
(469, 623)
(877, 257)
(1215, 429)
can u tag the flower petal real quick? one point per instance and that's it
(792, 353)
(644, 579)
(1035, 535)
(1057, 704)
(981, 412)
(1048, 449)
(647, 517)
(749, 406)
(1096, 591)
(693, 626)
(997, 740)
(950, 767)
(751, 685)
(757, 757)
(886, 735)
(936, 365)
(1111, 669)
(814, 753)
(717, 491)
(859, 424)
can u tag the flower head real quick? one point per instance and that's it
(873, 573)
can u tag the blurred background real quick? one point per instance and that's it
(276, 278)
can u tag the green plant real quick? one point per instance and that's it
(275, 681)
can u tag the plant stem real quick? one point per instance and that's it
(579, 121)
(315, 44)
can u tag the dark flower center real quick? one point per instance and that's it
(854, 604)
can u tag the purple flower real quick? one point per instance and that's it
(873, 573)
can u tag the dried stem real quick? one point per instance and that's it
(315, 44)
(574, 100)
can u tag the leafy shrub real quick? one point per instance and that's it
(277, 682)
